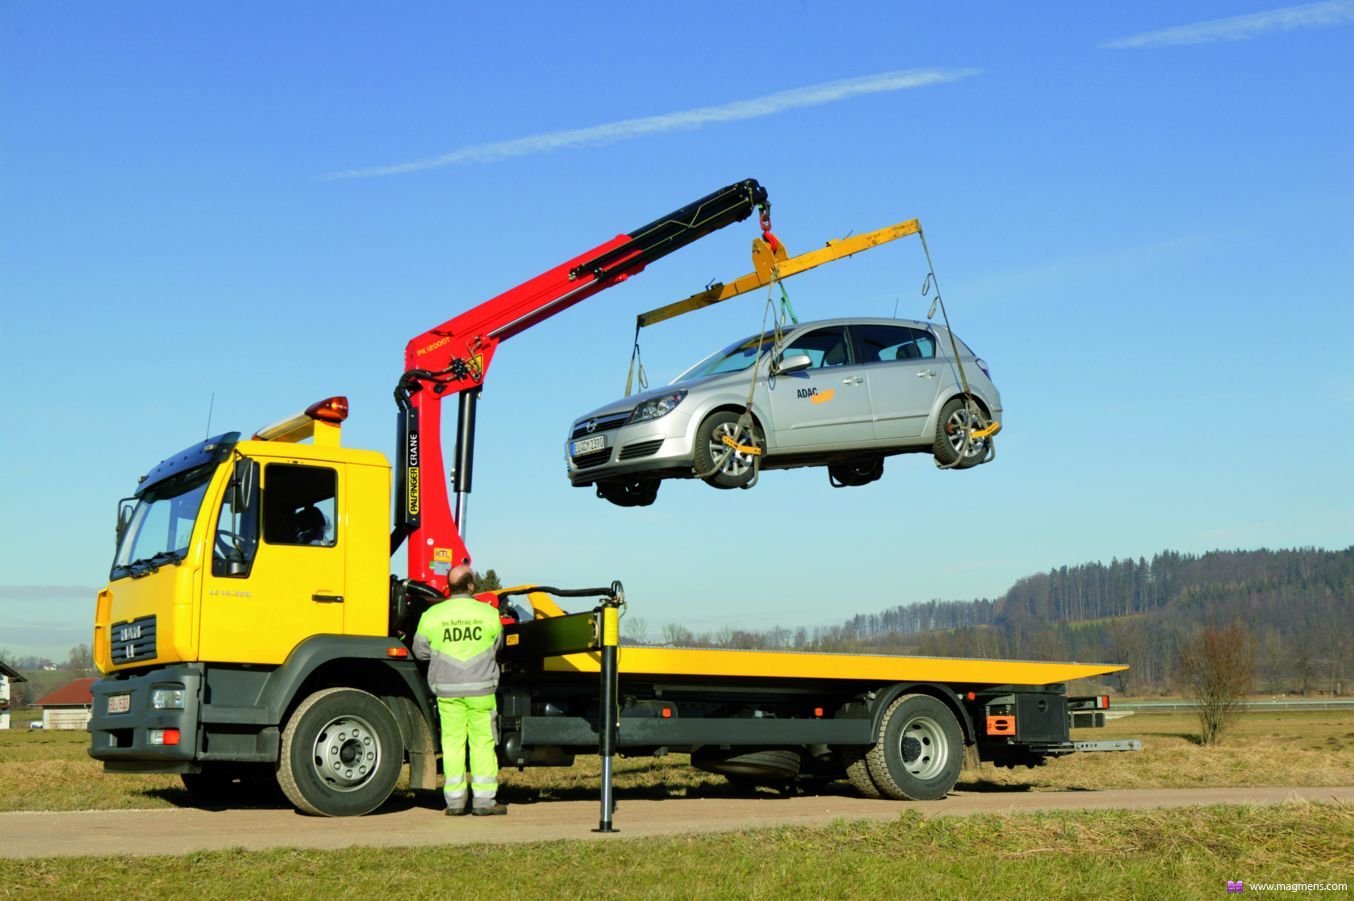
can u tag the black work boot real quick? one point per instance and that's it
(497, 810)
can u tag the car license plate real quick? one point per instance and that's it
(119, 703)
(588, 445)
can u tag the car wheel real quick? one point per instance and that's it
(856, 473)
(736, 469)
(919, 751)
(951, 431)
(341, 754)
(639, 493)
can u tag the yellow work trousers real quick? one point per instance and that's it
(472, 721)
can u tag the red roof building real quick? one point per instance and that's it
(69, 706)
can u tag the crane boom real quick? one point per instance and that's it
(454, 357)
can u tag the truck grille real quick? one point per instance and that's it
(133, 640)
(599, 424)
(640, 449)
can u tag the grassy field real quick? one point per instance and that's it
(1181, 853)
(50, 771)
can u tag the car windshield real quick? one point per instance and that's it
(734, 358)
(162, 523)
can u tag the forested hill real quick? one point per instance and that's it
(1297, 604)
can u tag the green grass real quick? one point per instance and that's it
(42, 770)
(1180, 853)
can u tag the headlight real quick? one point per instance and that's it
(657, 408)
(167, 698)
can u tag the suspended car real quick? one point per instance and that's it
(839, 393)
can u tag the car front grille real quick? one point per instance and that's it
(596, 458)
(640, 449)
(599, 424)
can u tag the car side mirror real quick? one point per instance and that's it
(793, 363)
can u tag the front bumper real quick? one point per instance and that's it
(658, 447)
(122, 740)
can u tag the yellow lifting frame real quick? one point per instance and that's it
(777, 266)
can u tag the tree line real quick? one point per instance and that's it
(1295, 607)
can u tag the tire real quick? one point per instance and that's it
(858, 773)
(919, 751)
(856, 473)
(639, 493)
(341, 754)
(775, 766)
(737, 469)
(949, 438)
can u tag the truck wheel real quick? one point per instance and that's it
(341, 754)
(736, 470)
(919, 752)
(858, 772)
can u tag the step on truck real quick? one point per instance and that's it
(252, 635)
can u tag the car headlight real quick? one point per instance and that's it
(657, 407)
(167, 699)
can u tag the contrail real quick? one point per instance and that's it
(1243, 28)
(688, 120)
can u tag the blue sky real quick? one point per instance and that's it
(1139, 214)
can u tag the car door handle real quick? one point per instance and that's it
(926, 374)
(327, 598)
(853, 380)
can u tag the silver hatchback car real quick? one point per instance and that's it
(840, 393)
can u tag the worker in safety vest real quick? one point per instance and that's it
(460, 638)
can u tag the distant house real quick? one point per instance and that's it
(69, 706)
(8, 676)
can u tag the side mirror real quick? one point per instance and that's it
(793, 363)
(125, 507)
(242, 485)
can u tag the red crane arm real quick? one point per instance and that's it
(454, 357)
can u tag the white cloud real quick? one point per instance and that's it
(1243, 28)
(687, 120)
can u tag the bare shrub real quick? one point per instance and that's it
(1217, 667)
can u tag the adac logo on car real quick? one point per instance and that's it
(815, 396)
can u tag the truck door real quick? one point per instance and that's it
(901, 369)
(278, 572)
(826, 404)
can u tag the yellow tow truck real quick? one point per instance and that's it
(252, 633)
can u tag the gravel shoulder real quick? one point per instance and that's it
(114, 833)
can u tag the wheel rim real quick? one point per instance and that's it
(347, 753)
(736, 463)
(923, 748)
(956, 430)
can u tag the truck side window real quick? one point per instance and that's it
(300, 505)
(237, 527)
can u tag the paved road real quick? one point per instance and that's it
(181, 831)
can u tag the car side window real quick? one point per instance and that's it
(886, 343)
(300, 505)
(825, 347)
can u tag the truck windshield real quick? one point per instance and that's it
(734, 358)
(162, 524)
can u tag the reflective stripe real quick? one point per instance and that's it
(484, 780)
(464, 689)
(481, 793)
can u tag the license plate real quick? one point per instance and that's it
(588, 445)
(119, 703)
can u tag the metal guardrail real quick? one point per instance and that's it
(1273, 704)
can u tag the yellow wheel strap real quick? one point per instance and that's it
(979, 434)
(741, 448)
